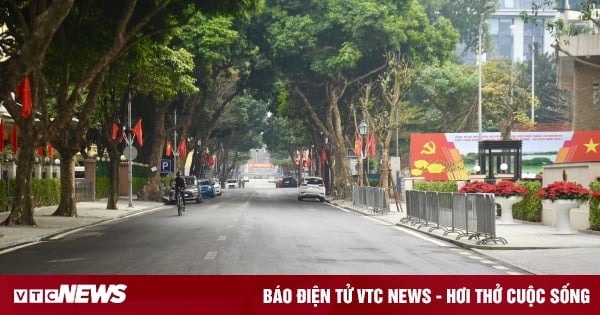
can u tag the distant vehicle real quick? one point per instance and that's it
(311, 187)
(232, 183)
(217, 186)
(287, 182)
(192, 191)
(207, 188)
(246, 179)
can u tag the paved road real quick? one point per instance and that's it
(256, 230)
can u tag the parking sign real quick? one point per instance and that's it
(165, 166)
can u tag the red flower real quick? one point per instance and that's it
(478, 187)
(564, 190)
(508, 189)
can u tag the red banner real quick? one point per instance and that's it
(340, 294)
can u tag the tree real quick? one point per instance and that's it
(447, 93)
(322, 51)
(390, 108)
(505, 103)
(90, 40)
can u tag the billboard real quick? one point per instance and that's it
(452, 156)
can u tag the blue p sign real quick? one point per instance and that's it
(165, 166)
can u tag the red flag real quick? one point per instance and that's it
(2, 135)
(115, 131)
(357, 144)
(50, 150)
(14, 140)
(182, 148)
(323, 157)
(40, 151)
(24, 92)
(169, 149)
(137, 131)
(211, 160)
(370, 146)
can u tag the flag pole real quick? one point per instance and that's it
(129, 144)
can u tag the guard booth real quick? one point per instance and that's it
(500, 160)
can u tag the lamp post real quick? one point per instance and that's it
(533, 75)
(362, 129)
(486, 7)
(512, 60)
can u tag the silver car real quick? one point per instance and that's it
(311, 187)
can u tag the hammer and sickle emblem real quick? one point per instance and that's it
(428, 148)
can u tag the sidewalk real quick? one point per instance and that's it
(89, 213)
(521, 235)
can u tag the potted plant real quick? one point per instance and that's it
(478, 187)
(562, 196)
(507, 193)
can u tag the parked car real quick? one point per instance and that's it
(207, 188)
(311, 187)
(217, 186)
(232, 183)
(287, 181)
(192, 191)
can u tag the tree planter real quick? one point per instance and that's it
(506, 203)
(561, 208)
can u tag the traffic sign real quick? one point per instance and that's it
(165, 166)
(133, 152)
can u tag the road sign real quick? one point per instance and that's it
(133, 150)
(165, 166)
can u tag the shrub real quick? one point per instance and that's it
(530, 207)
(595, 206)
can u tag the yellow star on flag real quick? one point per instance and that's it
(591, 146)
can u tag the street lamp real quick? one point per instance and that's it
(533, 75)
(486, 7)
(362, 129)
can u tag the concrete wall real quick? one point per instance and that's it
(582, 173)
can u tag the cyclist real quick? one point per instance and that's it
(180, 187)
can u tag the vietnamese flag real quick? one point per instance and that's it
(137, 131)
(24, 92)
(169, 149)
(2, 135)
(14, 140)
(584, 146)
(323, 157)
(182, 148)
(370, 149)
(357, 144)
(50, 150)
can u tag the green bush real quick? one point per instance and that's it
(595, 208)
(46, 192)
(530, 208)
(102, 187)
(441, 186)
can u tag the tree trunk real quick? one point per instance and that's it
(67, 206)
(151, 190)
(23, 208)
(384, 175)
(113, 178)
(343, 176)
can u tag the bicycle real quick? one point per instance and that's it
(180, 205)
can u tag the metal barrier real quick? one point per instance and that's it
(372, 198)
(468, 215)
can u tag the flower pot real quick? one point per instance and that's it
(506, 203)
(562, 207)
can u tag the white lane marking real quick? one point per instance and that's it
(59, 236)
(12, 249)
(222, 237)
(423, 237)
(210, 255)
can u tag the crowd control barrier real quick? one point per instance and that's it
(372, 198)
(465, 214)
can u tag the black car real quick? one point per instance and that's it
(288, 182)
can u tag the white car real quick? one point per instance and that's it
(311, 187)
(217, 186)
(232, 183)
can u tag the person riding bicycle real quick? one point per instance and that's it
(180, 187)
